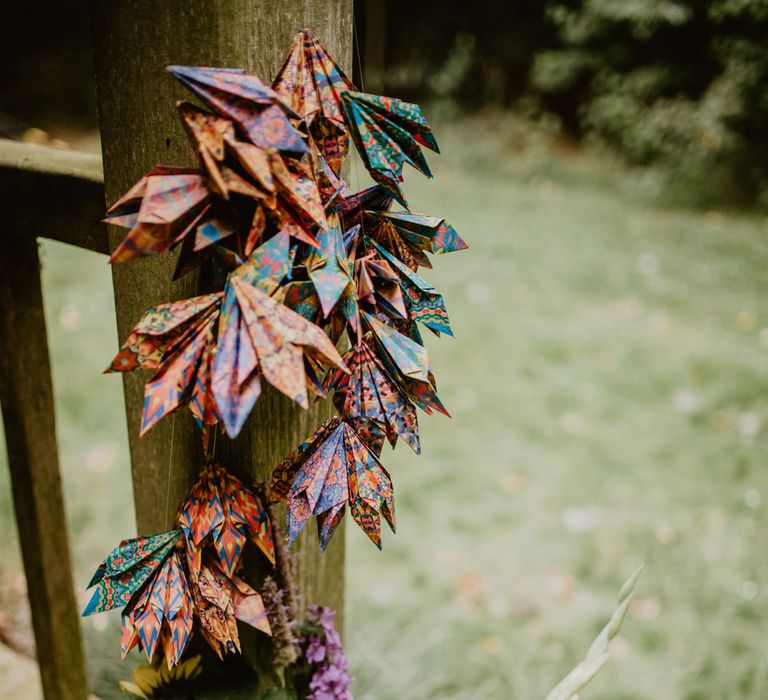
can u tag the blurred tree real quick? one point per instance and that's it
(681, 82)
(676, 82)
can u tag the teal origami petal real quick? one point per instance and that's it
(127, 568)
(388, 133)
(269, 264)
(410, 358)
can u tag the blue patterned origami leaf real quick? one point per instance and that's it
(127, 568)
(388, 134)
(407, 363)
(331, 470)
(328, 268)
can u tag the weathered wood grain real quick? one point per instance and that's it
(26, 393)
(134, 40)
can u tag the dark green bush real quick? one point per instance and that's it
(678, 82)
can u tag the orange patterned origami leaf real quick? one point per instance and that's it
(176, 340)
(220, 509)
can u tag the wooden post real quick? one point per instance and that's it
(26, 392)
(134, 40)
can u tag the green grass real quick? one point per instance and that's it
(609, 389)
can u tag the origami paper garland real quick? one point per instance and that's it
(306, 262)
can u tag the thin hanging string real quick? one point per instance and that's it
(170, 469)
(356, 42)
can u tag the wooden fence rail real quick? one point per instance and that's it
(58, 194)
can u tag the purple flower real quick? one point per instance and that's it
(330, 680)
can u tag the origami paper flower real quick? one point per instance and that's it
(160, 615)
(311, 83)
(260, 337)
(176, 340)
(257, 111)
(407, 363)
(219, 602)
(331, 470)
(422, 299)
(388, 133)
(369, 395)
(410, 236)
(222, 511)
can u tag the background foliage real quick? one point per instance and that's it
(679, 83)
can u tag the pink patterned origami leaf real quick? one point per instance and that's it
(160, 209)
(257, 111)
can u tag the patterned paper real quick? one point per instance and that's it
(176, 340)
(257, 111)
(311, 83)
(127, 568)
(424, 303)
(409, 236)
(331, 470)
(261, 338)
(369, 395)
(222, 511)
(388, 134)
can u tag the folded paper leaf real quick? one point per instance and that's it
(177, 341)
(331, 470)
(311, 83)
(161, 615)
(369, 395)
(222, 511)
(388, 133)
(261, 338)
(424, 303)
(409, 236)
(127, 568)
(258, 112)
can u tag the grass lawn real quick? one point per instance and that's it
(609, 387)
